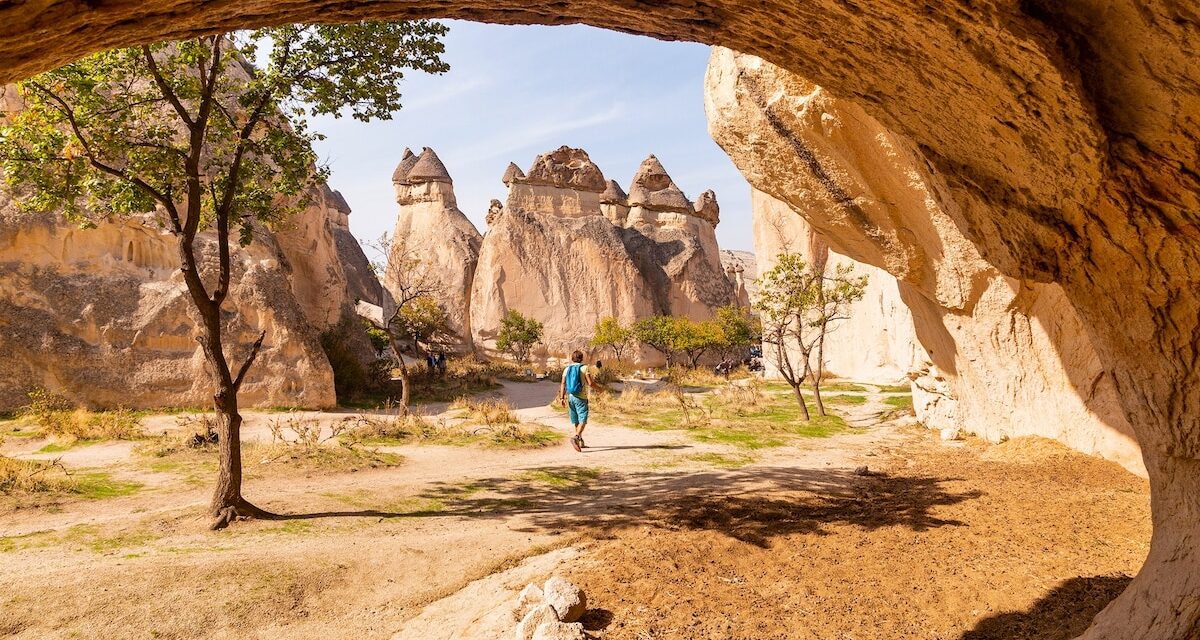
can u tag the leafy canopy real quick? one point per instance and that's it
(518, 334)
(125, 131)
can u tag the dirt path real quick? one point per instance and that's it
(931, 543)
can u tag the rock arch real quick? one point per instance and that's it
(1064, 131)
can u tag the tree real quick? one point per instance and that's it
(695, 339)
(797, 306)
(413, 314)
(190, 136)
(612, 335)
(658, 333)
(833, 297)
(740, 329)
(518, 334)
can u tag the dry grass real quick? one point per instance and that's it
(486, 411)
(487, 423)
(33, 476)
(55, 417)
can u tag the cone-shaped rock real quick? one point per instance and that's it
(707, 208)
(614, 194)
(400, 175)
(653, 189)
(566, 168)
(428, 168)
(564, 252)
(512, 173)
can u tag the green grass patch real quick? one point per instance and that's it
(723, 460)
(98, 485)
(895, 388)
(845, 399)
(900, 402)
(739, 438)
(58, 447)
(850, 387)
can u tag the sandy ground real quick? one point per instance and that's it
(960, 541)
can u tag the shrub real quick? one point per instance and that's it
(56, 417)
(487, 411)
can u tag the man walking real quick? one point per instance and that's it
(576, 380)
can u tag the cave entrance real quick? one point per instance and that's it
(1017, 202)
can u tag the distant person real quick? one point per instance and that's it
(441, 363)
(573, 391)
(430, 363)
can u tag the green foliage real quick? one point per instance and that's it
(518, 334)
(124, 131)
(658, 333)
(740, 328)
(55, 416)
(378, 337)
(610, 334)
(423, 320)
(798, 307)
(670, 335)
(352, 378)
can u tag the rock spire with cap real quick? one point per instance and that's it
(654, 190)
(565, 168)
(400, 175)
(707, 208)
(428, 168)
(614, 194)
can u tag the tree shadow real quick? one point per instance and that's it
(753, 506)
(618, 447)
(1062, 614)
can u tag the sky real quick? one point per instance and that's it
(514, 92)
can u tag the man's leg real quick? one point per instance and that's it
(582, 412)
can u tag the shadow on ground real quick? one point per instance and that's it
(751, 505)
(1062, 614)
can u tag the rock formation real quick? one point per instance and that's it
(877, 342)
(97, 314)
(570, 248)
(101, 316)
(1069, 160)
(433, 240)
(1007, 357)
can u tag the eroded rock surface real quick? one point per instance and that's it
(433, 240)
(569, 248)
(1007, 357)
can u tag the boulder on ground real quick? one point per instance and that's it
(529, 598)
(567, 599)
(536, 617)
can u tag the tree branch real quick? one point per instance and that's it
(165, 88)
(237, 382)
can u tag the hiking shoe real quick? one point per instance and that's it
(576, 443)
(581, 444)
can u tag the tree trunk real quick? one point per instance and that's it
(227, 503)
(816, 385)
(800, 399)
(405, 379)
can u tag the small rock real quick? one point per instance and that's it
(559, 631)
(530, 597)
(567, 599)
(536, 617)
(862, 471)
(951, 433)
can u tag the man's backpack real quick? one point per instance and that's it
(574, 379)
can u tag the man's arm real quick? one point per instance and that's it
(562, 387)
(591, 382)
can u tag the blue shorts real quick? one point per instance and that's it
(577, 409)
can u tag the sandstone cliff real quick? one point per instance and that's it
(1008, 357)
(433, 240)
(101, 316)
(570, 247)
